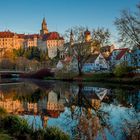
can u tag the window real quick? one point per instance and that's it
(100, 61)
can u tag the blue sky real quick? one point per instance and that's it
(25, 16)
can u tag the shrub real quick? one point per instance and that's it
(54, 133)
(15, 125)
(18, 128)
(4, 136)
(43, 73)
(40, 74)
(121, 70)
(38, 134)
(3, 112)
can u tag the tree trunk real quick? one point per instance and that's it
(80, 95)
(79, 69)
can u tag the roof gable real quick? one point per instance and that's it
(121, 53)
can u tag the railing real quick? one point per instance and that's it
(11, 71)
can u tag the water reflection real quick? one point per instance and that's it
(83, 110)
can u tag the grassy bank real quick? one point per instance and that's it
(15, 128)
(111, 78)
(96, 77)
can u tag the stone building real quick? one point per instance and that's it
(10, 40)
(50, 41)
(46, 41)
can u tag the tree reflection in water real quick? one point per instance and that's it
(87, 112)
(91, 121)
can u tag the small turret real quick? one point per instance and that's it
(87, 35)
(71, 37)
(71, 43)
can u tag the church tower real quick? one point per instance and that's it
(71, 38)
(71, 43)
(44, 29)
(87, 36)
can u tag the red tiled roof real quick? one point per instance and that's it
(121, 53)
(21, 35)
(52, 36)
(49, 36)
(87, 32)
(6, 34)
(31, 36)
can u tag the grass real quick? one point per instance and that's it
(95, 77)
(14, 127)
(3, 112)
(65, 75)
(4, 136)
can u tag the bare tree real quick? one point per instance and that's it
(101, 35)
(128, 25)
(81, 48)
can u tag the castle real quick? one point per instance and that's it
(45, 41)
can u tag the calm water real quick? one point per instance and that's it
(84, 110)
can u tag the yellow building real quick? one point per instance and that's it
(46, 41)
(30, 40)
(10, 40)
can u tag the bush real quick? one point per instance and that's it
(43, 73)
(121, 70)
(38, 134)
(3, 112)
(4, 136)
(54, 133)
(15, 125)
(40, 74)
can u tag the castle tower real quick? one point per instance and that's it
(87, 35)
(71, 43)
(71, 38)
(44, 29)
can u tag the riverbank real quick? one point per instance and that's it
(20, 129)
(96, 77)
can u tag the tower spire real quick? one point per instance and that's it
(44, 21)
(71, 37)
(44, 29)
(71, 43)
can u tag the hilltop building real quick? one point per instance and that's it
(46, 41)
(50, 41)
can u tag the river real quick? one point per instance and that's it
(85, 111)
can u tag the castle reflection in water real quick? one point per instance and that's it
(82, 108)
(52, 101)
